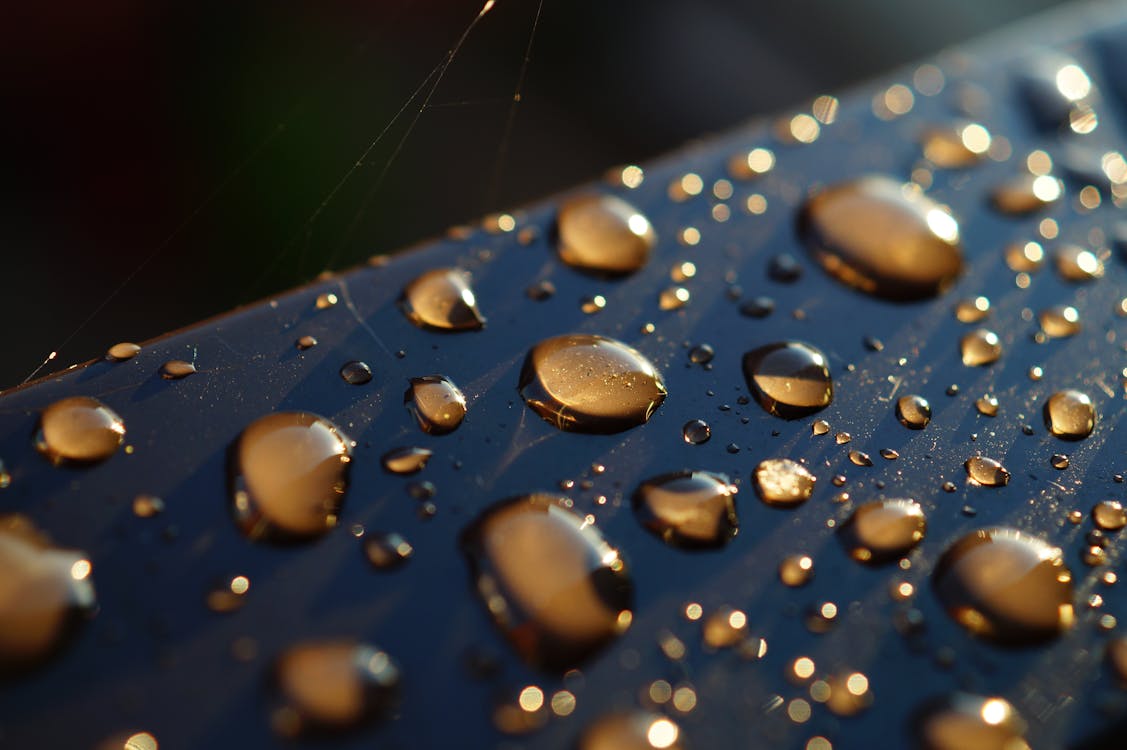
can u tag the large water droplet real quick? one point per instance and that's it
(438, 405)
(176, 369)
(549, 580)
(987, 471)
(914, 412)
(1075, 263)
(980, 348)
(603, 234)
(639, 730)
(783, 483)
(1109, 515)
(43, 593)
(1006, 585)
(875, 235)
(691, 509)
(883, 530)
(971, 722)
(442, 300)
(789, 379)
(123, 351)
(1070, 415)
(289, 472)
(1060, 321)
(333, 686)
(79, 429)
(586, 383)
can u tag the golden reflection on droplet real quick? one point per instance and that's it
(79, 430)
(689, 236)
(756, 204)
(796, 570)
(1089, 197)
(803, 668)
(531, 698)
(693, 611)
(140, 741)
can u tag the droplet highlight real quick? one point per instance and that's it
(79, 430)
(603, 234)
(437, 404)
(789, 379)
(883, 530)
(442, 300)
(688, 509)
(783, 483)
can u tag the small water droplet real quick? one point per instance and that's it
(1075, 263)
(820, 427)
(980, 348)
(883, 530)
(914, 412)
(789, 379)
(1070, 415)
(1026, 194)
(724, 628)
(289, 473)
(1109, 515)
(972, 310)
(638, 730)
(123, 351)
(406, 460)
(971, 722)
(356, 372)
(540, 291)
(1006, 585)
(386, 551)
(305, 342)
(586, 383)
(760, 307)
(673, 298)
(875, 235)
(147, 506)
(987, 405)
(889, 454)
(603, 234)
(79, 430)
(987, 472)
(784, 268)
(958, 147)
(1060, 321)
(696, 431)
(842, 438)
(688, 509)
(783, 483)
(442, 300)
(229, 595)
(548, 578)
(325, 301)
(860, 458)
(1025, 257)
(1059, 461)
(701, 354)
(849, 693)
(796, 570)
(175, 369)
(438, 405)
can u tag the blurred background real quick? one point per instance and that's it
(164, 162)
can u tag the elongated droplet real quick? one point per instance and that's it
(123, 351)
(586, 383)
(980, 348)
(986, 471)
(1026, 194)
(883, 530)
(603, 234)
(689, 509)
(972, 310)
(549, 580)
(639, 730)
(914, 412)
(80, 430)
(878, 236)
(1060, 321)
(1075, 263)
(438, 405)
(1070, 415)
(175, 369)
(971, 722)
(442, 300)
(289, 472)
(783, 483)
(333, 686)
(1006, 585)
(789, 379)
(406, 460)
(957, 147)
(44, 591)
(356, 372)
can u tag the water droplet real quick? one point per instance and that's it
(724, 628)
(1117, 657)
(325, 301)
(1056, 88)
(356, 372)
(673, 298)
(1006, 585)
(986, 471)
(1075, 263)
(1059, 461)
(1109, 515)
(305, 342)
(820, 427)
(877, 236)
(980, 348)
(442, 300)
(288, 476)
(593, 303)
(406, 460)
(957, 147)
(696, 431)
(1026, 257)
(333, 686)
(784, 268)
(889, 454)
(147, 506)
(796, 570)
(387, 551)
(540, 291)
(972, 310)
(1070, 415)
(689, 509)
(849, 693)
(586, 383)
(971, 722)
(987, 405)
(883, 530)
(639, 730)
(1026, 194)
(123, 351)
(175, 369)
(438, 405)
(783, 483)
(914, 412)
(229, 595)
(760, 307)
(79, 430)
(789, 379)
(43, 593)
(549, 580)
(842, 438)
(701, 354)
(1060, 321)
(603, 234)
(754, 163)
(860, 458)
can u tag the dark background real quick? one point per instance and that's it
(176, 152)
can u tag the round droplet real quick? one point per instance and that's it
(549, 580)
(914, 412)
(1070, 415)
(1109, 515)
(986, 471)
(175, 369)
(696, 431)
(878, 236)
(783, 483)
(603, 234)
(1027, 193)
(639, 730)
(1060, 321)
(789, 379)
(406, 460)
(980, 348)
(688, 509)
(1006, 585)
(987, 405)
(883, 530)
(586, 383)
(44, 592)
(971, 722)
(784, 268)
(1075, 263)
(1025, 257)
(796, 570)
(80, 430)
(305, 342)
(1059, 461)
(972, 310)
(860, 458)
(123, 351)
(333, 686)
(438, 405)
(442, 300)
(387, 551)
(356, 372)
(289, 472)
